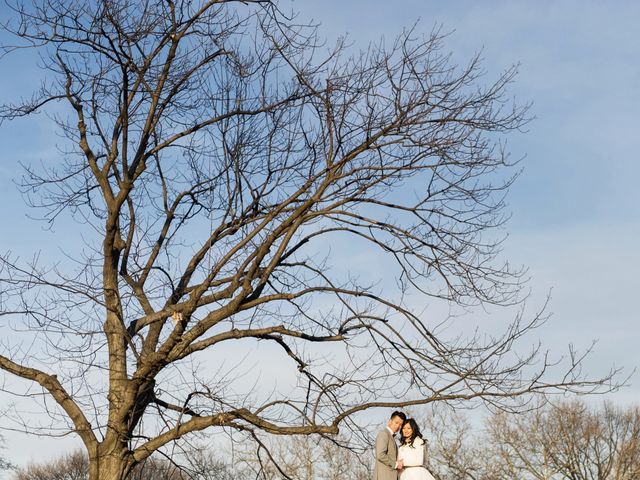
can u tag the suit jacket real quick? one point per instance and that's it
(386, 456)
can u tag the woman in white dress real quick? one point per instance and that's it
(412, 453)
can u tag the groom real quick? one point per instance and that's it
(387, 465)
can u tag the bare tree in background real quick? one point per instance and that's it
(75, 466)
(215, 151)
(310, 457)
(340, 462)
(72, 466)
(455, 450)
(299, 458)
(569, 441)
(4, 463)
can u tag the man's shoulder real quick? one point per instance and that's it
(383, 433)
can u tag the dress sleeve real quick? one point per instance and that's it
(425, 457)
(401, 453)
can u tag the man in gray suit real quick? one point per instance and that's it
(387, 465)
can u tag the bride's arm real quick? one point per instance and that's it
(425, 458)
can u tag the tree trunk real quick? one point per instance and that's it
(111, 465)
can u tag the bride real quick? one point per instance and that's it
(412, 453)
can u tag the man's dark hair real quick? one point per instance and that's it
(399, 414)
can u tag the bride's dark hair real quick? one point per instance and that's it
(415, 432)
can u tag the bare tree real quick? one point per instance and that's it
(455, 450)
(72, 466)
(215, 151)
(310, 457)
(296, 458)
(4, 463)
(341, 462)
(75, 466)
(203, 464)
(569, 441)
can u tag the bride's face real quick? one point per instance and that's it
(407, 431)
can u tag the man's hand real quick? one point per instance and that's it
(400, 464)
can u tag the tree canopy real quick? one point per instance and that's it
(217, 157)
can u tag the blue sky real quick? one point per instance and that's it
(578, 65)
(575, 208)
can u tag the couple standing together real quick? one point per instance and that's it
(408, 462)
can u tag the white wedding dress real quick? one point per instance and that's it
(413, 457)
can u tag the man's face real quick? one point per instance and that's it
(394, 424)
